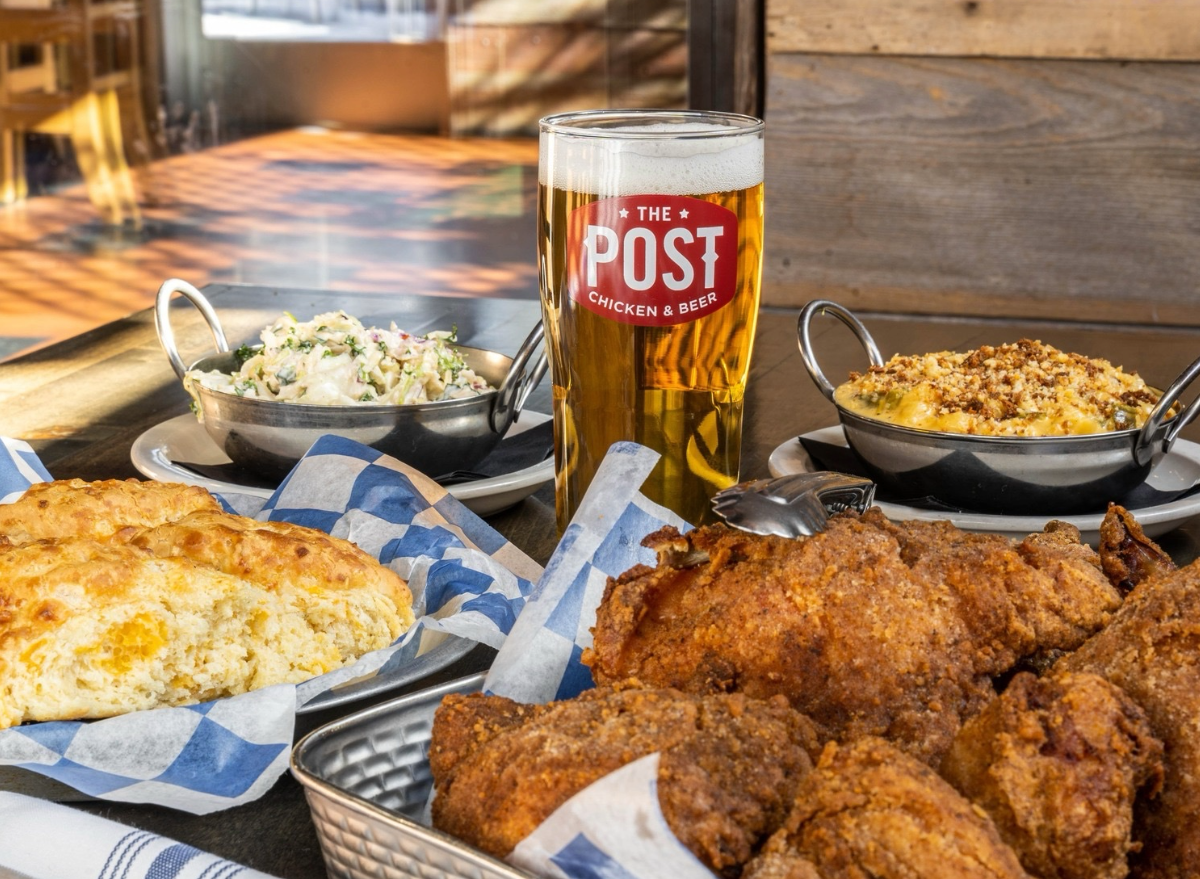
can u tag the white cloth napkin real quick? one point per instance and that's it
(43, 840)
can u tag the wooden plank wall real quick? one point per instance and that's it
(1030, 157)
(510, 62)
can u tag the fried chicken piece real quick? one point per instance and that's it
(836, 623)
(1151, 650)
(869, 628)
(1045, 593)
(69, 508)
(1057, 763)
(870, 810)
(729, 765)
(1126, 553)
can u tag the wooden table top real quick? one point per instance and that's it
(82, 403)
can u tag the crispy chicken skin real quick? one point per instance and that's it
(69, 508)
(870, 628)
(729, 766)
(1057, 762)
(1151, 650)
(1045, 593)
(870, 811)
(1127, 555)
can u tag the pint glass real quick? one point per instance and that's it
(650, 252)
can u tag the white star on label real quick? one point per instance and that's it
(684, 213)
(624, 213)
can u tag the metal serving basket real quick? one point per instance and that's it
(270, 436)
(367, 780)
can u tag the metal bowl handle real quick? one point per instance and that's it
(1143, 450)
(803, 333)
(522, 378)
(162, 320)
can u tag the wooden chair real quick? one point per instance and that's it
(71, 68)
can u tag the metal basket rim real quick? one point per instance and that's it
(315, 785)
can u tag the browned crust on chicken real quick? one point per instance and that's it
(729, 765)
(870, 628)
(1151, 650)
(1057, 763)
(870, 810)
(1127, 555)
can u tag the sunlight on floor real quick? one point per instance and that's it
(304, 208)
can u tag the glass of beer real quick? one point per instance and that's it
(650, 228)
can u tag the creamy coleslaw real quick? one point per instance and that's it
(334, 360)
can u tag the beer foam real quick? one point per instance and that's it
(610, 166)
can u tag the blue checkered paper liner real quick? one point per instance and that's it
(541, 659)
(33, 833)
(19, 469)
(614, 827)
(466, 580)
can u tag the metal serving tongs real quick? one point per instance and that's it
(792, 506)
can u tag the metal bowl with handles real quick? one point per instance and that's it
(1023, 475)
(270, 436)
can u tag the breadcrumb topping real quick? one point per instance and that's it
(1022, 389)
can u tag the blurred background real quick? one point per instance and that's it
(954, 157)
(383, 145)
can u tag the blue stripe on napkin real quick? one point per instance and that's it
(169, 863)
(124, 852)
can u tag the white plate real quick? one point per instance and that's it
(1178, 469)
(183, 438)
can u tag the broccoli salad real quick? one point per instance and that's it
(334, 360)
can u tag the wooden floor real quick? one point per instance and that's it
(302, 208)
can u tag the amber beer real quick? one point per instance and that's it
(650, 244)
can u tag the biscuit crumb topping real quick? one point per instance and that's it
(1025, 388)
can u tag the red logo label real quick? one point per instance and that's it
(652, 260)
